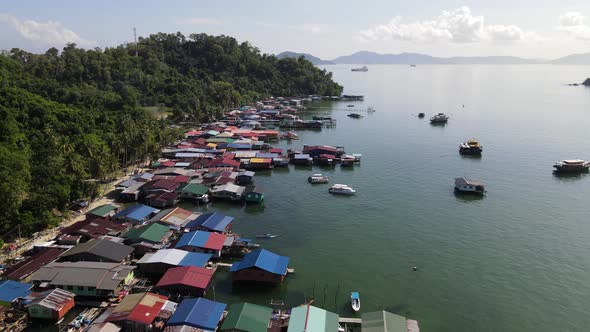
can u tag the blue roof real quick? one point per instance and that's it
(199, 313)
(354, 295)
(195, 259)
(262, 259)
(214, 221)
(10, 290)
(136, 212)
(239, 146)
(267, 155)
(195, 239)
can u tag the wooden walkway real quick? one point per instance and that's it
(350, 320)
(289, 270)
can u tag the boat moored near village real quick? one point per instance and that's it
(463, 185)
(341, 189)
(470, 147)
(421, 115)
(355, 115)
(572, 166)
(355, 301)
(363, 69)
(439, 118)
(317, 178)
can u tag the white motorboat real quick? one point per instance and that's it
(318, 178)
(355, 301)
(341, 189)
(363, 68)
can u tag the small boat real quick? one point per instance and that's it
(363, 69)
(318, 178)
(371, 109)
(354, 115)
(355, 301)
(290, 136)
(266, 236)
(322, 118)
(341, 189)
(572, 166)
(412, 65)
(350, 105)
(421, 115)
(439, 118)
(469, 187)
(470, 147)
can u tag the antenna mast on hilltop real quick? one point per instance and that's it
(135, 38)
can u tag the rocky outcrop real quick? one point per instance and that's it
(586, 82)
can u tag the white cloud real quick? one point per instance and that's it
(199, 21)
(50, 33)
(574, 23)
(458, 26)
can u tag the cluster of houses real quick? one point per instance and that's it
(147, 269)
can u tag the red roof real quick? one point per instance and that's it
(94, 227)
(23, 268)
(327, 156)
(167, 163)
(320, 147)
(215, 241)
(142, 308)
(162, 184)
(192, 276)
(181, 179)
(229, 155)
(223, 162)
(163, 197)
(279, 151)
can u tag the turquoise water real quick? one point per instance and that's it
(516, 260)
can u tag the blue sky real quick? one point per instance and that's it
(538, 29)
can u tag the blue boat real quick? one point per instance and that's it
(355, 301)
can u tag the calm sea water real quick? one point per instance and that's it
(517, 260)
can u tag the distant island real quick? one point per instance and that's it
(373, 58)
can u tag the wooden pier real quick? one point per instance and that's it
(289, 270)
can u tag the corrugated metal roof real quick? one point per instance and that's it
(105, 276)
(23, 268)
(141, 307)
(263, 259)
(194, 188)
(109, 250)
(247, 317)
(103, 210)
(202, 239)
(104, 327)
(191, 276)
(383, 321)
(136, 212)
(176, 257)
(214, 221)
(53, 299)
(199, 313)
(312, 319)
(10, 290)
(152, 233)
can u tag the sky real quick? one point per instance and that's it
(527, 28)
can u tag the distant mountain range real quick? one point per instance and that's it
(372, 58)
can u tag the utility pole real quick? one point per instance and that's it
(135, 38)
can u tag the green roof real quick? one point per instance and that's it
(103, 210)
(219, 140)
(317, 320)
(247, 317)
(194, 188)
(383, 321)
(152, 232)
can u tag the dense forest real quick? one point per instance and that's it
(71, 119)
